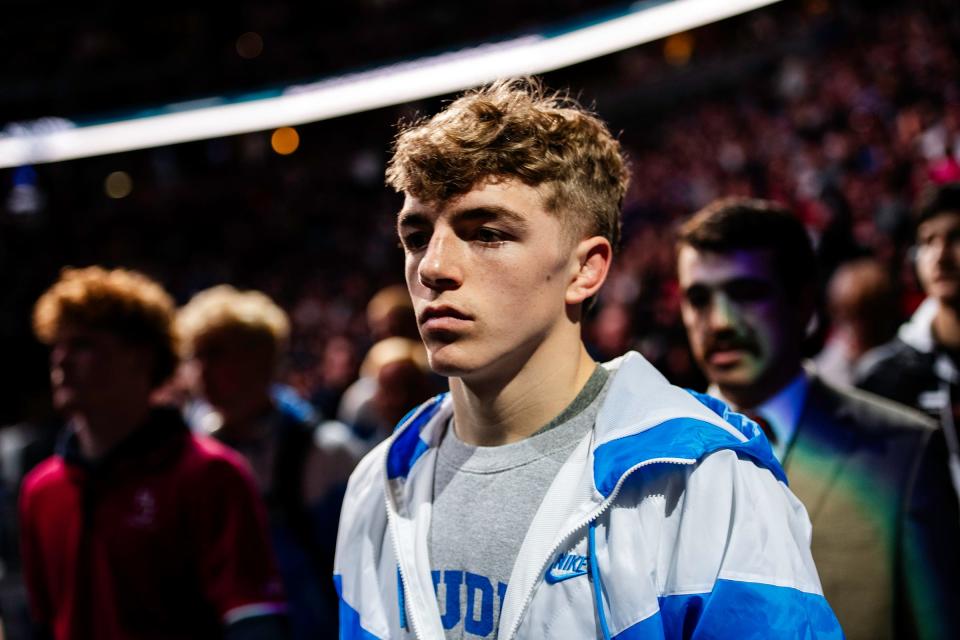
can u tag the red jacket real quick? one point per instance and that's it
(163, 538)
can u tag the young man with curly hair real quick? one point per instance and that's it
(135, 528)
(547, 496)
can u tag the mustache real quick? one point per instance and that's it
(728, 341)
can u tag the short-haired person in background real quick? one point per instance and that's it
(864, 307)
(882, 515)
(233, 342)
(136, 528)
(547, 496)
(394, 370)
(921, 366)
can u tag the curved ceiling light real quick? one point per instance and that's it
(53, 139)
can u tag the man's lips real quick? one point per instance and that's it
(728, 354)
(443, 318)
(725, 357)
(948, 277)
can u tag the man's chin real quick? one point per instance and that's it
(446, 362)
(65, 400)
(735, 377)
(947, 295)
(460, 361)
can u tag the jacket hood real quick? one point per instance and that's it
(633, 428)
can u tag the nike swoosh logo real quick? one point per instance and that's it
(554, 575)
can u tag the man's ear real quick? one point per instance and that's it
(589, 270)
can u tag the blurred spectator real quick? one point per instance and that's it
(401, 385)
(390, 313)
(338, 369)
(611, 332)
(235, 340)
(864, 311)
(843, 114)
(393, 374)
(135, 528)
(22, 447)
(393, 326)
(871, 474)
(921, 366)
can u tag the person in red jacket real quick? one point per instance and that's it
(135, 528)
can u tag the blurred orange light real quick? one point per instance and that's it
(678, 49)
(249, 45)
(285, 140)
(118, 185)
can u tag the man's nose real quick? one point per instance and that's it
(59, 355)
(723, 313)
(940, 250)
(441, 267)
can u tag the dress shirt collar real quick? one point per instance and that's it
(782, 410)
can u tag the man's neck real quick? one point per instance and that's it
(752, 396)
(946, 327)
(247, 422)
(501, 412)
(100, 432)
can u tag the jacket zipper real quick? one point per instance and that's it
(404, 583)
(594, 516)
(395, 542)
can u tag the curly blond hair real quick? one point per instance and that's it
(122, 302)
(517, 129)
(223, 310)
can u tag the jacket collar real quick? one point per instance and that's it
(159, 437)
(917, 332)
(643, 419)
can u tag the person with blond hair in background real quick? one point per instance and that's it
(233, 343)
(393, 326)
(136, 528)
(394, 376)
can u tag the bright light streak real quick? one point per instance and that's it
(394, 84)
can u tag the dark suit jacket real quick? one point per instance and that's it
(886, 528)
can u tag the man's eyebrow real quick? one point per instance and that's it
(492, 212)
(411, 218)
(414, 218)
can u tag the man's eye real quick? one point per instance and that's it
(697, 296)
(414, 240)
(484, 234)
(749, 290)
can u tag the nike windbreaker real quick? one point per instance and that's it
(671, 519)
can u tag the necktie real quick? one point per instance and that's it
(764, 425)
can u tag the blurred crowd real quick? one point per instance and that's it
(845, 122)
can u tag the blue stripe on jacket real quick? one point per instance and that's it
(739, 610)
(350, 628)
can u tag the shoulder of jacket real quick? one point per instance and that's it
(875, 413)
(369, 471)
(50, 472)
(894, 358)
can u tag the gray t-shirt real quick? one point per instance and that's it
(484, 499)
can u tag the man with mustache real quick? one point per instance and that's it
(547, 496)
(869, 472)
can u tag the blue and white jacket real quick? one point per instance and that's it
(678, 507)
